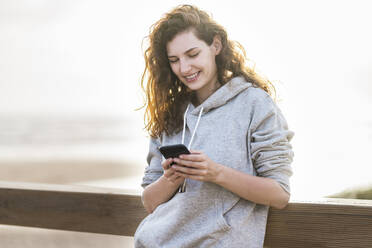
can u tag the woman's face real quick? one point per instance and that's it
(193, 62)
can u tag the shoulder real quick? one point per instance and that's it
(256, 97)
(260, 107)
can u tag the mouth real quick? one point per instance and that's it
(193, 77)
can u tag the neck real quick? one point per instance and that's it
(202, 94)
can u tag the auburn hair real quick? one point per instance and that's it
(166, 95)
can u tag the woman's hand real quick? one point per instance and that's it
(197, 166)
(170, 172)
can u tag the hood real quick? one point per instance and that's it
(222, 95)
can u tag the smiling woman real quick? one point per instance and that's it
(192, 61)
(198, 82)
(168, 61)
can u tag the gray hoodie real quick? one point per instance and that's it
(240, 127)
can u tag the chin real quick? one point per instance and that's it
(193, 88)
(194, 85)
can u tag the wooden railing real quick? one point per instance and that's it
(324, 223)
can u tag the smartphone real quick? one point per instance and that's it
(173, 151)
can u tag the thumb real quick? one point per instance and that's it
(196, 152)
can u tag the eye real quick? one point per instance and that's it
(194, 55)
(172, 61)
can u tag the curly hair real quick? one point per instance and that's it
(166, 95)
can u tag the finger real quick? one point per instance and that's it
(166, 163)
(196, 151)
(186, 170)
(182, 162)
(169, 172)
(192, 157)
(194, 177)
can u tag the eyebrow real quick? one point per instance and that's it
(189, 50)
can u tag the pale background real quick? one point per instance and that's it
(69, 87)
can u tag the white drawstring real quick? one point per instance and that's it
(183, 187)
(184, 124)
(196, 126)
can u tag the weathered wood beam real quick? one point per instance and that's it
(72, 208)
(322, 223)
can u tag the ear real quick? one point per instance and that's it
(217, 44)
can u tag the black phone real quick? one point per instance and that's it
(173, 151)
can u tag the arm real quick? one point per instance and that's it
(162, 189)
(159, 181)
(253, 188)
(257, 189)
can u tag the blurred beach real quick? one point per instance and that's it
(97, 151)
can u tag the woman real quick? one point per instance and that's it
(201, 92)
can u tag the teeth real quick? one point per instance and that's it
(192, 76)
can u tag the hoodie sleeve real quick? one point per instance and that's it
(154, 170)
(270, 138)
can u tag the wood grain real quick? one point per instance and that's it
(326, 223)
(81, 208)
(322, 223)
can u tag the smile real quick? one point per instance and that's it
(192, 77)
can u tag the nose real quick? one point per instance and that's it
(185, 66)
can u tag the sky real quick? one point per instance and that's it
(82, 58)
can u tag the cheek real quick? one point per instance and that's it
(174, 68)
(209, 62)
(212, 64)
